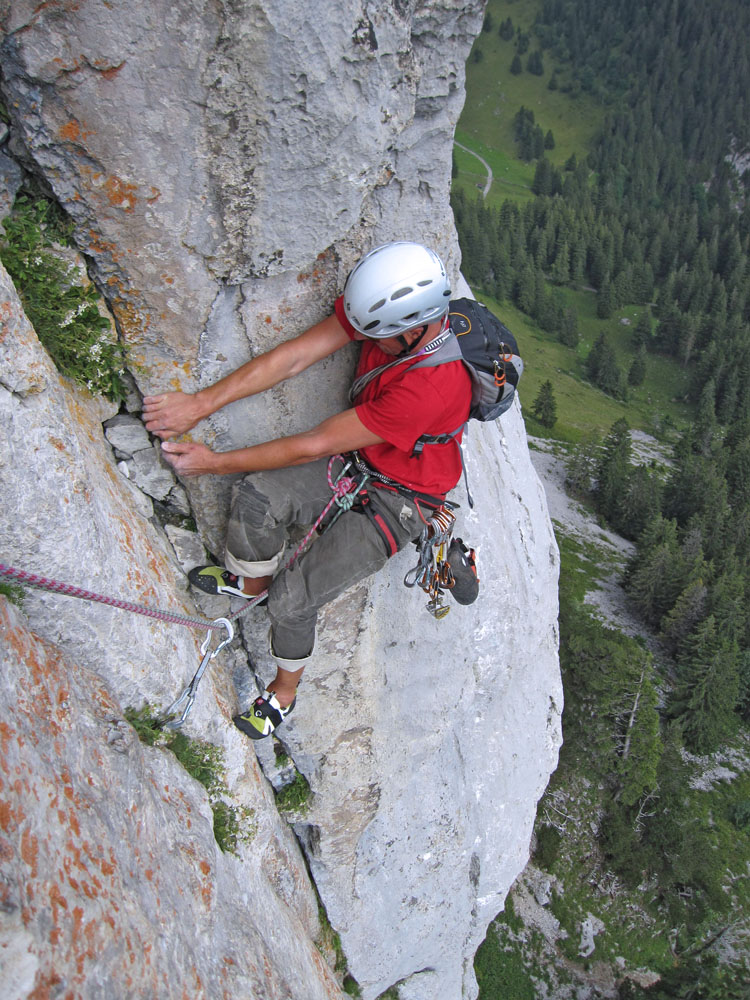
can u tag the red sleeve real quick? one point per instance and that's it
(351, 332)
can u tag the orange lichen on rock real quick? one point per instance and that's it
(121, 193)
(72, 132)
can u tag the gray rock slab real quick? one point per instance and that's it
(11, 178)
(127, 434)
(151, 473)
(130, 867)
(225, 166)
(151, 880)
(187, 546)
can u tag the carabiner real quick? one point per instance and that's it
(188, 695)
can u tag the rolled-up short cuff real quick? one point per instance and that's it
(254, 570)
(286, 662)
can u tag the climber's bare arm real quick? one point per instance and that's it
(173, 413)
(340, 433)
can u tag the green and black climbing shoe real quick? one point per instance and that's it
(263, 717)
(215, 580)
(463, 563)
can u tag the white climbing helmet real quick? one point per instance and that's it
(394, 288)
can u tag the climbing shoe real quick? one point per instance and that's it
(215, 580)
(463, 563)
(263, 717)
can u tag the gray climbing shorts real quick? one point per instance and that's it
(269, 513)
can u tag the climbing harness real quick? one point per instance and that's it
(433, 572)
(341, 487)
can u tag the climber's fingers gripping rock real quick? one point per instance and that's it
(170, 414)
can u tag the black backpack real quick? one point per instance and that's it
(490, 352)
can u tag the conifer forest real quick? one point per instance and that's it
(654, 214)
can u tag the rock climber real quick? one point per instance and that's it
(395, 302)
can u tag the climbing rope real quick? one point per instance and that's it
(344, 489)
(340, 487)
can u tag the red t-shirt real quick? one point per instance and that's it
(402, 404)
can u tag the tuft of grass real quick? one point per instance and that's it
(13, 591)
(329, 941)
(60, 302)
(294, 797)
(203, 761)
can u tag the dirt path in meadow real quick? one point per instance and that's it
(485, 164)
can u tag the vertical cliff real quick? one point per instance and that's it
(224, 165)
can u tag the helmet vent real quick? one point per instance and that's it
(378, 305)
(401, 292)
(372, 325)
(423, 284)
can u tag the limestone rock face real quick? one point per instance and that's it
(108, 848)
(224, 166)
(113, 884)
(445, 735)
(202, 150)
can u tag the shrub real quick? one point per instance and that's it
(62, 308)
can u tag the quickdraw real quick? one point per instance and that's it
(433, 573)
(168, 720)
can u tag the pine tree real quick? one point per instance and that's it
(637, 370)
(654, 576)
(580, 467)
(613, 470)
(640, 503)
(506, 30)
(641, 746)
(605, 300)
(688, 611)
(535, 63)
(544, 406)
(642, 331)
(603, 370)
(708, 691)
(516, 67)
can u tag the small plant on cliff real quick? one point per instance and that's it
(12, 592)
(294, 797)
(60, 302)
(204, 762)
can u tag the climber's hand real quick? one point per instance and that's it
(171, 413)
(190, 459)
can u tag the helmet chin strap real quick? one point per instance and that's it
(407, 347)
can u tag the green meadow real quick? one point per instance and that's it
(494, 96)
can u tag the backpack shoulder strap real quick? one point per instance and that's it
(447, 350)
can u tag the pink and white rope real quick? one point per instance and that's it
(339, 490)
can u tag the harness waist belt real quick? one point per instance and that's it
(382, 481)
